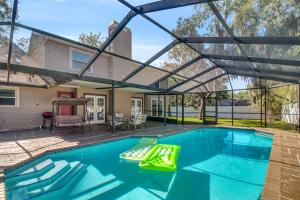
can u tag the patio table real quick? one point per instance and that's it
(125, 121)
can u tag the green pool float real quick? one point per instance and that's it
(162, 157)
(139, 151)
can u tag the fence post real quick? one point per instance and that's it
(144, 105)
(231, 107)
(299, 109)
(176, 97)
(113, 108)
(265, 107)
(158, 105)
(182, 109)
(216, 108)
(165, 109)
(203, 109)
(261, 108)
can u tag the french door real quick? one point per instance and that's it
(136, 106)
(96, 109)
(156, 107)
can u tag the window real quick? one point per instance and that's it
(156, 107)
(157, 85)
(79, 60)
(9, 96)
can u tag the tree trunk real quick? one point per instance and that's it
(200, 110)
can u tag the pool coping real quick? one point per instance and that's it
(273, 160)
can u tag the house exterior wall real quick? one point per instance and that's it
(34, 101)
(147, 76)
(123, 101)
(120, 68)
(55, 54)
(58, 57)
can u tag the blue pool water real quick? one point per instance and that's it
(214, 163)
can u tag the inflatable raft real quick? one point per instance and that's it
(162, 157)
(139, 151)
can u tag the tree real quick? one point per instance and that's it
(270, 18)
(5, 15)
(92, 39)
(245, 18)
(180, 54)
(276, 98)
(23, 43)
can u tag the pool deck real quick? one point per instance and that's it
(283, 175)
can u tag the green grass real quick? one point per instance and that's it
(242, 123)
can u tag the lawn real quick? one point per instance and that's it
(242, 122)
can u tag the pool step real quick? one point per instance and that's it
(37, 168)
(75, 169)
(39, 180)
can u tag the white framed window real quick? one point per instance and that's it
(9, 96)
(79, 59)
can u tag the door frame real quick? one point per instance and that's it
(105, 102)
(140, 98)
(162, 106)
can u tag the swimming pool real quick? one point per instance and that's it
(214, 163)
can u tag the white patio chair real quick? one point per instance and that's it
(119, 115)
(118, 121)
(137, 121)
(144, 119)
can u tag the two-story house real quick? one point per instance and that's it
(22, 107)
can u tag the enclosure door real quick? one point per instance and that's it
(96, 109)
(156, 107)
(136, 106)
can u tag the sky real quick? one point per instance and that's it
(69, 18)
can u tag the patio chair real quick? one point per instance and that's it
(119, 116)
(118, 121)
(144, 119)
(137, 121)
